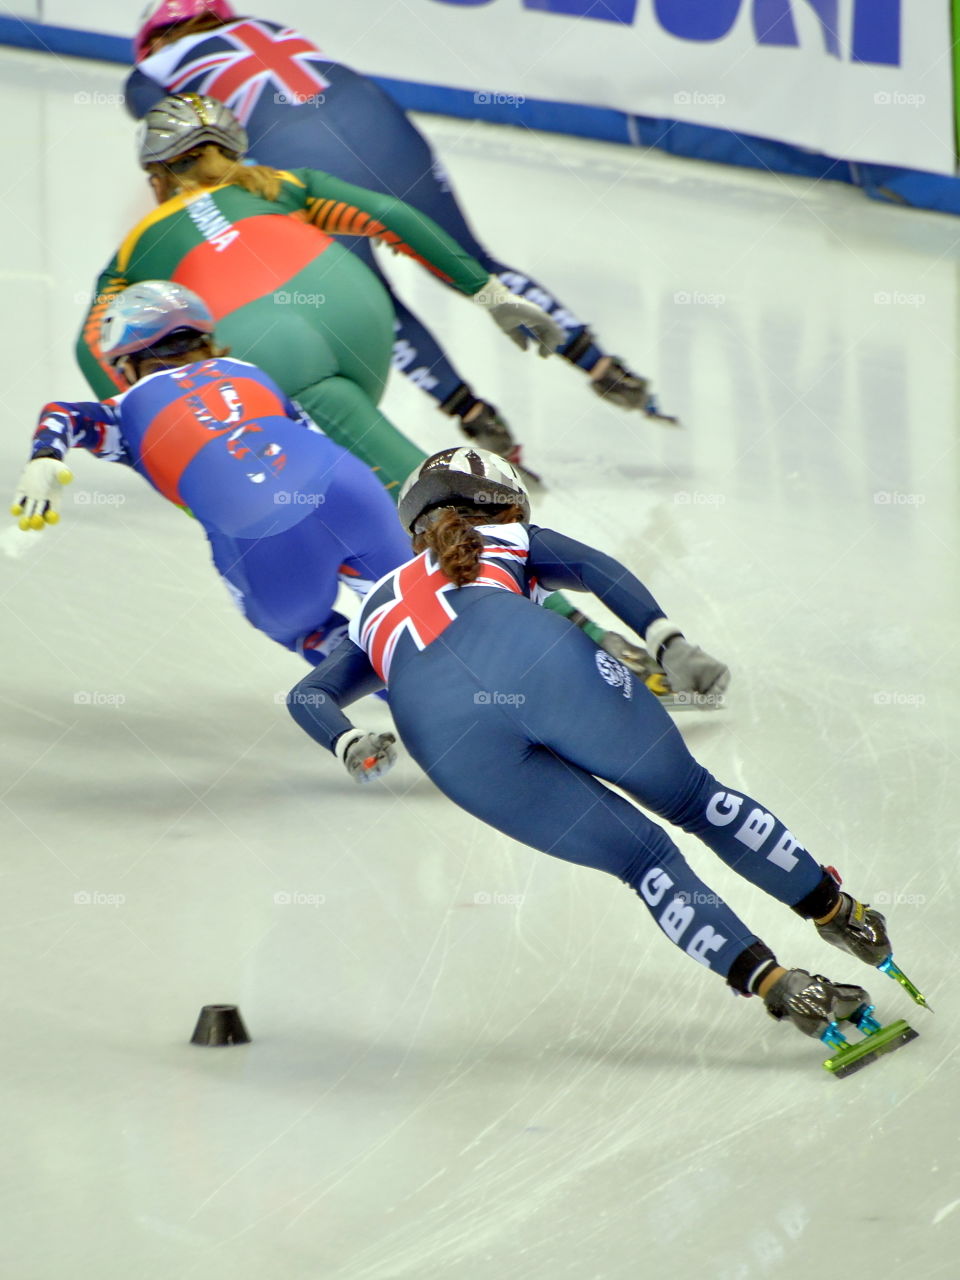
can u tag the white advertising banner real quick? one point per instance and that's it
(867, 80)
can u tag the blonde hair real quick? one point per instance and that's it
(455, 542)
(212, 167)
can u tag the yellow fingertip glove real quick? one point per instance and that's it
(53, 517)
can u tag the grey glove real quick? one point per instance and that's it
(366, 756)
(514, 314)
(690, 670)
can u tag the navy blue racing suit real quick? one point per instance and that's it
(521, 721)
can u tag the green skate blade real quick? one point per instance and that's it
(887, 1040)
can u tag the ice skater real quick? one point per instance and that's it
(521, 722)
(289, 515)
(256, 244)
(301, 108)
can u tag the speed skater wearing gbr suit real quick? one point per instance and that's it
(457, 621)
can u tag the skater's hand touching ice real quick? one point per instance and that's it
(688, 668)
(515, 314)
(36, 499)
(366, 756)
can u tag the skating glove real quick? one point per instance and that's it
(366, 755)
(515, 314)
(688, 668)
(633, 656)
(36, 499)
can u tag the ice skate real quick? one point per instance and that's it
(859, 930)
(817, 1006)
(862, 932)
(612, 381)
(483, 425)
(812, 1002)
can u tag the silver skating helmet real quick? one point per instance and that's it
(185, 121)
(146, 313)
(465, 474)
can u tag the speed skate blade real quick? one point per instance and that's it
(854, 1056)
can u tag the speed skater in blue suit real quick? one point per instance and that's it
(500, 703)
(301, 108)
(288, 514)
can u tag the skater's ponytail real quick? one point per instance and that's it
(209, 166)
(455, 542)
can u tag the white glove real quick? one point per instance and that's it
(513, 314)
(366, 756)
(688, 668)
(36, 499)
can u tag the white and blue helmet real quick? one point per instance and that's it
(468, 475)
(147, 313)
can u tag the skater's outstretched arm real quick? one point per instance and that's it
(315, 703)
(63, 425)
(341, 208)
(562, 563)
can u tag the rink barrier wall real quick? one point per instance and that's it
(911, 187)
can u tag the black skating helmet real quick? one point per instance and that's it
(465, 474)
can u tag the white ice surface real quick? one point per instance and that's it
(470, 1060)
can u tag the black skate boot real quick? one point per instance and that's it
(859, 930)
(812, 1002)
(612, 381)
(481, 422)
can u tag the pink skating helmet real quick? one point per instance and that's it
(167, 13)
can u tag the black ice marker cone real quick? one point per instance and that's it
(219, 1024)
